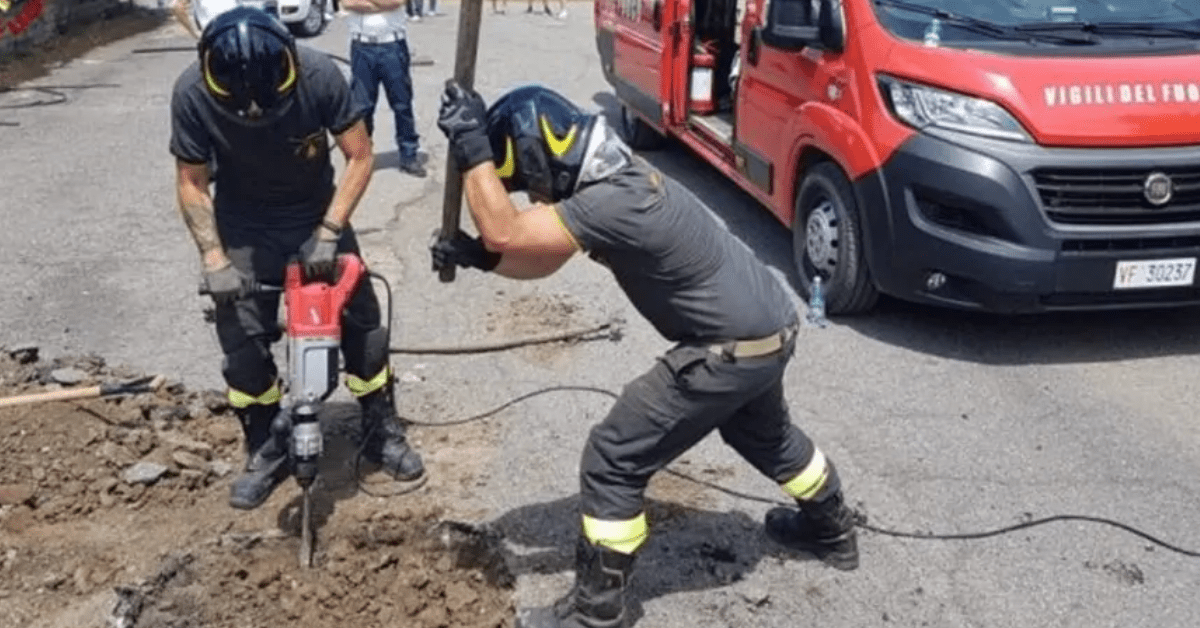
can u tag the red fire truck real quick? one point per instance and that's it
(999, 155)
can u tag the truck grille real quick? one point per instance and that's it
(1116, 196)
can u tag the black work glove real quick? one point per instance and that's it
(225, 285)
(318, 255)
(462, 250)
(462, 118)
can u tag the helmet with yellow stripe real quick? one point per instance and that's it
(539, 140)
(248, 61)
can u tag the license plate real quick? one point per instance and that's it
(1155, 273)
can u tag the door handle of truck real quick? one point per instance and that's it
(656, 16)
(753, 45)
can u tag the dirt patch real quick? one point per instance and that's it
(531, 314)
(77, 40)
(112, 513)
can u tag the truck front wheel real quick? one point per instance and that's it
(827, 240)
(638, 134)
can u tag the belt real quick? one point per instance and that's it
(377, 39)
(755, 347)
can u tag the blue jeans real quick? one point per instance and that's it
(388, 63)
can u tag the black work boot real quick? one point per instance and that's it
(824, 529)
(267, 430)
(386, 444)
(597, 600)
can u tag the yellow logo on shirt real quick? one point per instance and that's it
(312, 146)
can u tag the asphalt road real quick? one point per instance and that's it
(940, 422)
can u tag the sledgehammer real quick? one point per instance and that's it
(139, 385)
(469, 12)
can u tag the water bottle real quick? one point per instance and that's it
(933, 34)
(816, 304)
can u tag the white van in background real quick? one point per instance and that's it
(305, 18)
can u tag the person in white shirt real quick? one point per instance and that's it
(379, 54)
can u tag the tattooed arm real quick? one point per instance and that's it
(195, 204)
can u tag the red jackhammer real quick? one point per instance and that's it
(314, 330)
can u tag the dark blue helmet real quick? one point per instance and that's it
(539, 139)
(248, 60)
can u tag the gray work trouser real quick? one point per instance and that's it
(690, 392)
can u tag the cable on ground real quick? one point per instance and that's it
(860, 518)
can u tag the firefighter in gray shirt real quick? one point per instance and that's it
(734, 326)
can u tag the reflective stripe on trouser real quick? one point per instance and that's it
(359, 386)
(686, 395)
(240, 399)
(620, 536)
(808, 484)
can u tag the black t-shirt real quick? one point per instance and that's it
(275, 171)
(692, 279)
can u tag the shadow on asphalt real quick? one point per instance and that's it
(688, 550)
(338, 472)
(1057, 338)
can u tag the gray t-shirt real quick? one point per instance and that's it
(692, 279)
(275, 172)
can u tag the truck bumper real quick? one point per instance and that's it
(972, 211)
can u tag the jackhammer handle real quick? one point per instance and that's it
(254, 288)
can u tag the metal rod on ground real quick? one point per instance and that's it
(469, 13)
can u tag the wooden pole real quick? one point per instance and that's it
(469, 13)
(145, 384)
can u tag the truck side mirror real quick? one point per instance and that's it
(795, 24)
(831, 25)
(790, 24)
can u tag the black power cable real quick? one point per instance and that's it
(860, 518)
(391, 383)
(51, 95)
(53, 92)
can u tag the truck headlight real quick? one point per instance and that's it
(921, 106)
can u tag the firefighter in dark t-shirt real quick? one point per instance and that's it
(733, 324)
(260, 110)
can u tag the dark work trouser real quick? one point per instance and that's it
(247, 328)
(689, 393)
(388, 64)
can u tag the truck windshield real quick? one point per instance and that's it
(1063, 22)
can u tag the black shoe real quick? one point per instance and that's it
(386, 439)
(267, 430)
(596, 600)
(825, 530)
(267, 469)
(413, 167)
(397, 458)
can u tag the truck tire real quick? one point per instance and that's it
(827, 239)
(638, 134)
(313, 23)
